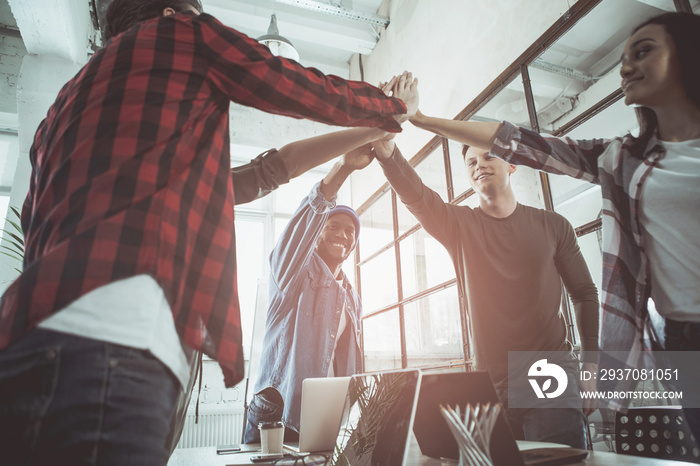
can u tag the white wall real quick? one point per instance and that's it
(455, 48)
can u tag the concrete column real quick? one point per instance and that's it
(57, 35)
(41, 77)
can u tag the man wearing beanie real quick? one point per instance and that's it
(313, 320)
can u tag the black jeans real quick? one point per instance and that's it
(71, 400)
(556, 425)
(685, 336)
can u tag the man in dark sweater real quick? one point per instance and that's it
(510, 260)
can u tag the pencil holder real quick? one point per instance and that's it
(472, 431)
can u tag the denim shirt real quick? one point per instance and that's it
(304, 313)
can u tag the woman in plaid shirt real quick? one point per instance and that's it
(651, 194)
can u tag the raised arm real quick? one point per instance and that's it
(356, 159)
(474, 133)
(303, 155)
(247, 73)
(259, 177)
(298, 240)
(433, 213)
(584, 297)
(516, 145)
(272, 168)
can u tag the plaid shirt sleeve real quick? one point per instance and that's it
(560, 156)
(247, 73)
(260, 177)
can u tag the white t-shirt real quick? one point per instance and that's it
(341, 328)
(670, 217)
(131, 312)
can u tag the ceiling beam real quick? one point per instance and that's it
(299, 28)
(61, 28)
(339, 11)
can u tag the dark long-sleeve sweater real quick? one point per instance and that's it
(509, 270)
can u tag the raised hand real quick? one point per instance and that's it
(388, 87)
(384, 147)
(406, 89)
(359, 158)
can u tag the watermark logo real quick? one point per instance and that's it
(541, 369)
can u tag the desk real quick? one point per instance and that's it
(206, 456)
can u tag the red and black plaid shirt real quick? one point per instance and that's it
(131, 173)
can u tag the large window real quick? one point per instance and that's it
(407, 281)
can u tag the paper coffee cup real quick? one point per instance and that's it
(271, 436)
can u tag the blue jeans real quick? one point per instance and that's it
(72, 400)
(685, 336)
(266, 406)
(557, 425)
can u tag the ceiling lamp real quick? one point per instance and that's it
(278, 45)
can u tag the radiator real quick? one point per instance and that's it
(215, 427)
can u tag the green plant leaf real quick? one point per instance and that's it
(14, 256)
(17, 244)
(13, 247)
(14, 240)
(18, 228)
(19, 239)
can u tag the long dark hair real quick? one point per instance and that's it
(124, 14)
(684, 29)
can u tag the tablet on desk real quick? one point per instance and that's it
(266, 457)
(248, 458)
(226, 449)
(303, 459)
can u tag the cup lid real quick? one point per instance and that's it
(270, 425)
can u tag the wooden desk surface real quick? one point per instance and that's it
(206, 456)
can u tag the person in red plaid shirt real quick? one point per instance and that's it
(129, 231)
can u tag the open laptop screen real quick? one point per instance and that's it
(377, 419)
(321, 407)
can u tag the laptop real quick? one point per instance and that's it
(460, 389)
(377, 418)
(322, 402)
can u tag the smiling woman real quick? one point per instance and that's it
(660, 74)
(651, 72)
